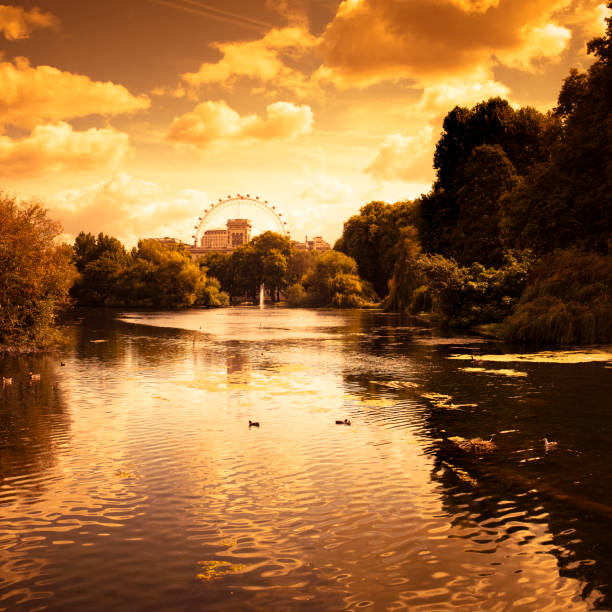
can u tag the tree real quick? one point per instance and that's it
(333, 281)
(567, 199)
(274, 272)
(165, 276)
(370, 238)
(100, 261)
(35, 272)
(525, 137)
(488, 175)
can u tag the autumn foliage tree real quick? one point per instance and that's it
(36, 273)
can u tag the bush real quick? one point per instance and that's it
(567, 300)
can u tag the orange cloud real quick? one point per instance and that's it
(373, 40)
(17, 23)
(404, 158)
(57, 148)
(32, 95)
(129, 208)
(213, 122)
(262, 60)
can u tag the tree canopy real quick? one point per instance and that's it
(36, 272)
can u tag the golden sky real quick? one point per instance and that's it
(130, 116)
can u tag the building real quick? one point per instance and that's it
(318, 244)
(238, 232)
(214, 239)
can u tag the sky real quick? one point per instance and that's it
(130, 117)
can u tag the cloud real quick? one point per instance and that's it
(57, 148)
(17, 23)
(128, 208)
(373, 40)
(440, 97)
(32, 95)
(265, 60)
(404, 158)
(212, 122)
(326, 189)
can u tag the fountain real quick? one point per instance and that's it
(261, 295)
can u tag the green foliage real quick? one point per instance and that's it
(100, 261)
(370, 238)
(153, 275)
(488, 175)
(568, 300)
(332, 281)
(568, 200)
(479, 157)
(35, 273)
(462, 296)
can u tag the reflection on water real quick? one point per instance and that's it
(130, 479)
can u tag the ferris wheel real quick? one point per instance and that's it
(212, 211)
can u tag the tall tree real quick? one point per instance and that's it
(370, 239)
(35, 272)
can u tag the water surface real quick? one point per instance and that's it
(130, 479)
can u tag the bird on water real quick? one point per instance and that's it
(253, 423)
(549, 445)
(345, 422)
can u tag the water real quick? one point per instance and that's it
(130, 479)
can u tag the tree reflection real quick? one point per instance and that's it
(33, 418)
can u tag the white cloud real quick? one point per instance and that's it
(31, 95)
(265, 60)
(128, 208)
(404, 158)
(212, 122)
(57, 148)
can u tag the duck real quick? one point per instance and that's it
(253, 423)
(62, 364)
(34, 376)
(549, 445)
(345, 422)
(6, 381)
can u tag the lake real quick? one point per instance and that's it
(131, 480)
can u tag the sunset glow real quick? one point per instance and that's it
(129, 118)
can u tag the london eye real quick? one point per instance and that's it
(214, 212)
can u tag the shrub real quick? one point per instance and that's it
(567, 300)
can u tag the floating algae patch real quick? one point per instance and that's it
(500, 372)
(440, 400)
(474, 445)
(461, 474)
(378, 403)
(212, 570)
(577, 356)
(382, 402)
(395, 384)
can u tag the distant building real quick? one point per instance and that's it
(318, 244)
(168, 240)
(238, 232)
